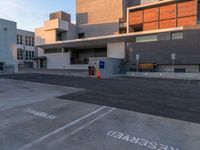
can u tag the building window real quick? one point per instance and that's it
(81, 35)
(136, 28)
(26, 55)
(147, 38)
(29, 41)
(33, 41)
(58, 50)
(177, 35)
(18, 39)
(30, 55)
(26, 40)
(2, 66)
(21, 40)
(19, 54)
(58, 36)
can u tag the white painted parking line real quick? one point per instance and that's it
(140, 141)
(25, 147)
(40, 114)
(92, 121)
(87, 124)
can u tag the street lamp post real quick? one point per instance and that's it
(137, 59)
(173, 57)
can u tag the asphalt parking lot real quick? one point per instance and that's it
(62, 112)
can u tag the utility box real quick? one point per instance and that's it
(108, 67)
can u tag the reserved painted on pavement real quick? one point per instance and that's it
(140, 141)
(40, 114)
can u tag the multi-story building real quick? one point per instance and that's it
(25, 48)
(149, 34)
(17, 48)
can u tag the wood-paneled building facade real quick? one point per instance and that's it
(163, 14)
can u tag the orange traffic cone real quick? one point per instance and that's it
(98, 74)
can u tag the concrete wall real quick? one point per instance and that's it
(56, 24)
(98, 11)
(93, 30)
(8, 50)
(58, 60)
(186, 49)
(78, 67)
(72, 33)
(188, 68)
(99, 17)
(62, 61)
(116, 50)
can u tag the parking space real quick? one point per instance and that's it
(150, 96)
(33, 117)
(135, 131)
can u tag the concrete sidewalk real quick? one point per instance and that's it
(84, 73)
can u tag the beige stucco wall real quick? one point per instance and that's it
(98, 17)
(44, 37)
(98, 11)
(58, 60)
(56, 24)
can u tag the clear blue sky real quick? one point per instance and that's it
(30, 14)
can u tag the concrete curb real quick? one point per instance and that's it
(166, 75)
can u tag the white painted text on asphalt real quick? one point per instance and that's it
(141, 142)
(40, 114)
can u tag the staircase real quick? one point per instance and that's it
(125, 67)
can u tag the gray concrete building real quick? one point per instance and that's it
(185, 44)
(17, 48)
(8, 52)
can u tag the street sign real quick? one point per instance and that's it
(173, 56)
(137, 56)
(101, 64)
